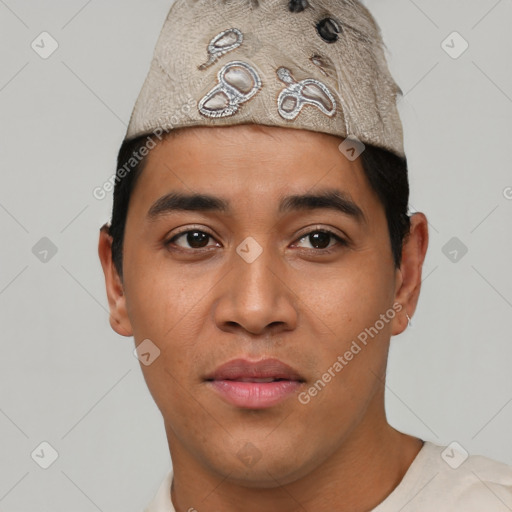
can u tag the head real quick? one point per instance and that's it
(256, 242)
(246, 245)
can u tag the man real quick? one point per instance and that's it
(261, 255)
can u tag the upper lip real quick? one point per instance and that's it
(264, 369)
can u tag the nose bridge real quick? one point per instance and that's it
(255, 296)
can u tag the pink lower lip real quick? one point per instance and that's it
(255, 395)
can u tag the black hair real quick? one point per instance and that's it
(386, 173)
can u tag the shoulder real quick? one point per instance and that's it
(449, 479)
(162, 500)
(460, 481)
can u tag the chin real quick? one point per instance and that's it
(265, 474)
(275, 465)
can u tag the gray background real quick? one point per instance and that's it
(69, 380)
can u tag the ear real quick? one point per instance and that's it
(119, 320)
(408, 276)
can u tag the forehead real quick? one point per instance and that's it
(237, 161)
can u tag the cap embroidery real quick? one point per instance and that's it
(306, 92)
(238, 83)
(221, 44)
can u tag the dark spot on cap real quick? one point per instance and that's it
(324, 63)
(297, 5)
(328, 29)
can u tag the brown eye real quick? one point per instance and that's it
(328, 29)
(321, 240)
(193, 239)
(197, 239)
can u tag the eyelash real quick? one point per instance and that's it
(340, 241)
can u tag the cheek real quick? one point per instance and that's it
(163, 298)
(348, 298)
(346, 309)
(168, 305)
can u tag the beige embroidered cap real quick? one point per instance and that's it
(307, 64)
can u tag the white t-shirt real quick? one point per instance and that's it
(440, 479)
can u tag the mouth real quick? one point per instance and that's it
(255, 385)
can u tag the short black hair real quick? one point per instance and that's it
(385, 171)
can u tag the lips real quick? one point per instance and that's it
(267, 369)
(254, 385)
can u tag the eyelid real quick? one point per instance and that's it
(324, 229)
(191, 227)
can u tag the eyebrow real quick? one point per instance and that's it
(329, 199)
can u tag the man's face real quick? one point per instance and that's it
(194, 287)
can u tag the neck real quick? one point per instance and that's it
(366, 468)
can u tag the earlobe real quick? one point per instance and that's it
(408, 282)
(119, 320)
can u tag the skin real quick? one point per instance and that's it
(204, 307)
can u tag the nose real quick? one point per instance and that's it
(254, 296)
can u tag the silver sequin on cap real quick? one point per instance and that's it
(238, 83)
(306, 92)
(225, 42)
